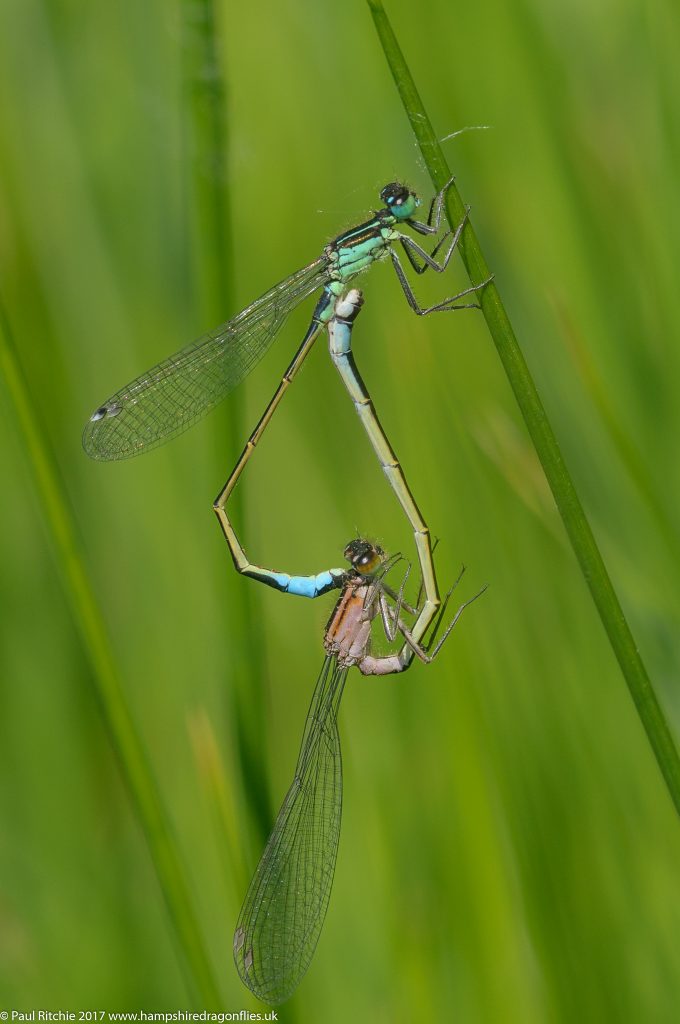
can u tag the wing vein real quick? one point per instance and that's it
(174, 394)
(284, 908)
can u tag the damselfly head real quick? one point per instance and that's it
(399, 200)
(364, 557)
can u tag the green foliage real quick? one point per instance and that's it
(509, 852)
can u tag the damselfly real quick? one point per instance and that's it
(283, 912)
(177, 392)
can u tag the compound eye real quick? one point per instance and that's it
(350, 552)
(395, 194)
(363, 556)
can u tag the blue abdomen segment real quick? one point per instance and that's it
(340, 338)
(300, 586)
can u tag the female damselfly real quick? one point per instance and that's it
(284, 909)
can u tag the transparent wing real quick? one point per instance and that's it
(281, 918)
(176, 393)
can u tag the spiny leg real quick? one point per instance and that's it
(412, 249)
(390, 664)
(436, 207)
(445, 304)
(391, 615)
(421, 652)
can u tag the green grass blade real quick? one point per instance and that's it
(88, 619)
(207, 158)
(541, 433)
(213, 261)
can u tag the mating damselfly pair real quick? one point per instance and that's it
(274, 941)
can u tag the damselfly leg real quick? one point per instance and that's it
(428, 654)
(393, 623)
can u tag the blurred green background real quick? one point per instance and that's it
(509, 852)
